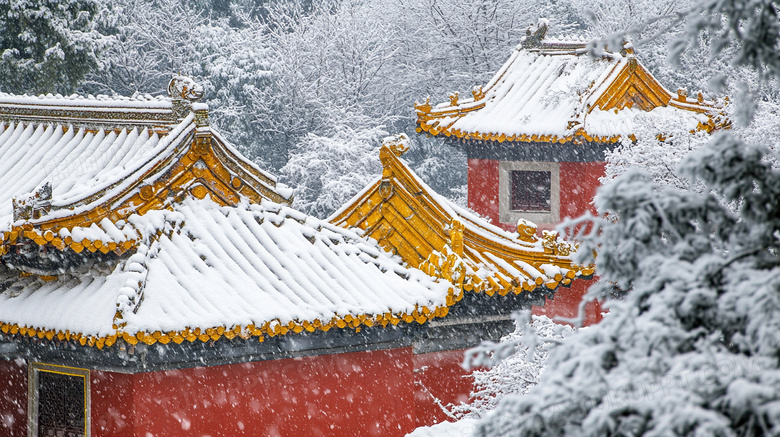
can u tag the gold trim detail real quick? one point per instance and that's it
(408, 220)
(631, 86)
(272, 328)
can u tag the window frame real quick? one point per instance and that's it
(506, 215)
(33, 372)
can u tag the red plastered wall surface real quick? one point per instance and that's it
(578, 184)
(13, 398)
(439, 378)
(360, 393)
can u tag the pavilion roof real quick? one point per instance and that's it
(202, 271)
(552, 90)
(133, 219)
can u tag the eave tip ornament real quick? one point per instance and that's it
(534, 35)
(526, 231)
(184, 88)
(33, 205)
(398, 144)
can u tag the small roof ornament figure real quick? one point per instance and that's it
(185, 88)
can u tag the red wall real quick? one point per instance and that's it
(579, 181)
(438, 376)
(386, 393)
(111, 403)
(483, 188)
(566, 303)
(13, 398)
(360, 393)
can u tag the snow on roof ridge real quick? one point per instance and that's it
(115, 110)
(96, 100)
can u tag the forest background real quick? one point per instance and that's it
(308, 88)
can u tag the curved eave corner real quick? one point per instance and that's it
(407, 218)
(200, 166)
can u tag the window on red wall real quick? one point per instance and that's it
(59, 401)
(531, 191)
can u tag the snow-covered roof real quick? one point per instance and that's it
(444, 240)
(70, 164)
(203, 271)
(155, 229)
(554, 91)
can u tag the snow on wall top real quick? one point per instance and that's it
(213, 271)
(554, 91)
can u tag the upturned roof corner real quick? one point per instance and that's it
(446, 241)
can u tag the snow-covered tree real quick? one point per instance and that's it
(331, 68)
(661, 156)
(48, 46)
(327, 171)
(155, 40)
(363, 63)
(692, 348)
(512, 366)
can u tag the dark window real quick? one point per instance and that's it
(61, 409)
(531, 191)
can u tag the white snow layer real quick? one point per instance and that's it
(216, 266)
(78, 162)
(549, 94)
(461, 428)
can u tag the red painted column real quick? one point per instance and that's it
(13, 398)
(439, 379)
(360, 393)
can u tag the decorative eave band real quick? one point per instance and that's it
(272, 328)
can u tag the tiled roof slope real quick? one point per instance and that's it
(554, 91)
(145, 225)
(72, 170)
(203, 271)
(431, 233)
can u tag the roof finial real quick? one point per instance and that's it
(184, 91)
(398, 144)
(185, 88)
(534, 35)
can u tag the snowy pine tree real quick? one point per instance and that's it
(693, 347)
(46, 45)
